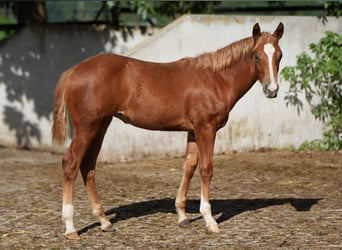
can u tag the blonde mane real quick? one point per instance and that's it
(228, 55)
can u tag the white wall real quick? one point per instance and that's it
(31, 61)
(256, 121)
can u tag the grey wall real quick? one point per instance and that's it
(32, 60)
(30, 64)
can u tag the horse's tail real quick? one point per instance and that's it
(60, 125)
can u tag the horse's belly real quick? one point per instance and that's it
(153, 121)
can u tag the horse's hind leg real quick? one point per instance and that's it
(76, 155)
(70, 168)
(70, 164)
(189, 168)
(88, 174)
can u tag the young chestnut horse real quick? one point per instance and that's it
(192, 94)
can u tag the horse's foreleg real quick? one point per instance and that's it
(88, 175)
(205, 141)
(189, 168)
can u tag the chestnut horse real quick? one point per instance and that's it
(192, 94)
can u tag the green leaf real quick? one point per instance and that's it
(320, 77)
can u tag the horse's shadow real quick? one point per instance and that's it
(226, 209)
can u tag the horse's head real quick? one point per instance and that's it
(267, 55)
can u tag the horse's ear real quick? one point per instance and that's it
(278, 33)
(256, 31)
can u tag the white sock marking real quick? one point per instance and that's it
(205, 210)
(269, 50)
(67, 216)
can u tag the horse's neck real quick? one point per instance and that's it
(238, 79)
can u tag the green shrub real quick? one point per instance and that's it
(319, 77)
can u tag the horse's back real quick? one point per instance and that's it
(146, 94)
(95, 85)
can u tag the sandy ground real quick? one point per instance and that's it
(261, 200)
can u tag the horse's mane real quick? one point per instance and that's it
(225, 56)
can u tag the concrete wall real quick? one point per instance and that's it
(30, 64)
(256, 121)
(32, 60)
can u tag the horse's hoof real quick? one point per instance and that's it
(72, 236)
(184, 223)
(213, 229)
(108, 228)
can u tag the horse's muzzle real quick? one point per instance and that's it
(270, 93)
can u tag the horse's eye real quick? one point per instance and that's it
(257, 58)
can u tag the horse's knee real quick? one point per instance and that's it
(206, 172)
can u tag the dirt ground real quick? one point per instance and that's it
(261, 200)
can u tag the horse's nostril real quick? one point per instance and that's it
(272, 87)
(270, 93)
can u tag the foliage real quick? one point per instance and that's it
(333, 8)
(176, 8)
(148, 9)
(145, 9)
(319, 77)
(314, 145)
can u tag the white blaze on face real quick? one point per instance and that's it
(269, 51)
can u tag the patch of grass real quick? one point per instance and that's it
(54, 248)
(3, 237)
(328, 227)
(294, 184)
(9, 217)
(314, 145)
(301, 220)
